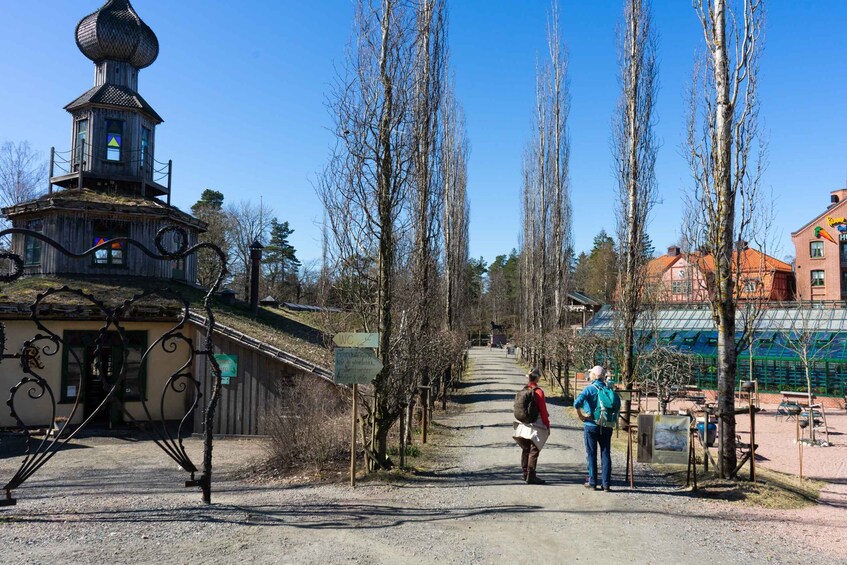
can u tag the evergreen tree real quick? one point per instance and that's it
(595, 273)
(280, 260)
(209, 208)
(209, 200)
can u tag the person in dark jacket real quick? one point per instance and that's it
(586, 404)
(532, 437)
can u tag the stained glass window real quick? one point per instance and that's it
(112, 252)
(114, 135)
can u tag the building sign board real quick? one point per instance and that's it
(228, 365)
(356, 339)
(355, 366)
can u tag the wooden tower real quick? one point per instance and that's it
(111, 179)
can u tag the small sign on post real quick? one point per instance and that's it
(357, 340)
(355, 366)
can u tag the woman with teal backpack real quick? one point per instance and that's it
(598, 407)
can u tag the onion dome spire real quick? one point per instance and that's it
(116, 32)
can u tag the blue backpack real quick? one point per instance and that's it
(608, 407)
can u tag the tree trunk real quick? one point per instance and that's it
(725, 231)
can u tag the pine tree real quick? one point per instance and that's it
(280, 260)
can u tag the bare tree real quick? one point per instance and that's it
(247, 222)
(546, 242)
(427, 198)
(455, 222)
(634, 147)
(365, 186)
(800, 329)
(23, 173)
(559, 101)
(666, 371)
(218, 231)
(722, 136)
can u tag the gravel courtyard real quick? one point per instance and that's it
(119, 501)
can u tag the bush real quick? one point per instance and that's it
(308, 429)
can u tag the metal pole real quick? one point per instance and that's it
(800, 447)
(49, 182)
(705, 439)
(752, 440)
(353, 435)
(170, 172)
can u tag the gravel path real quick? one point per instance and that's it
(123, 503)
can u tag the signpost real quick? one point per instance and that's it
(355, 365)
(357, 340)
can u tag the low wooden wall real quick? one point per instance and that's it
(251, 396)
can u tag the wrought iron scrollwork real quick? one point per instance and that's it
(35, 386)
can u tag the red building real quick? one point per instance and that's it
(678, 277)
(821, 251)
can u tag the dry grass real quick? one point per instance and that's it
(308, 431)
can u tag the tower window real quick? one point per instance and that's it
(818, 278)
(145, 148)
(81, 137)
(816, 249)
(114, 139)
(113, 253)
(32, 246)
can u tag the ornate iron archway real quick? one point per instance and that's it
(35, 387)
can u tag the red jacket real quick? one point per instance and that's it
(541, 403)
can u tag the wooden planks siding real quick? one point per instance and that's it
(245, 402)
(75, 232)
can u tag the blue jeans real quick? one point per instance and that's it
(595, 434)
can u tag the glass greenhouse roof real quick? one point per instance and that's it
(692, 330)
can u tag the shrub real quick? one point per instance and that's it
(308, 429)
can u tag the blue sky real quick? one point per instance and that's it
(241, 86)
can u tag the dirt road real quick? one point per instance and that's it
(126, 505)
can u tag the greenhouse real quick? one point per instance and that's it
(780, 333)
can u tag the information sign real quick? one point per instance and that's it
(355, 366)
(228, 365)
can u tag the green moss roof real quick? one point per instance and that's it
(95, 200)
(274, 327)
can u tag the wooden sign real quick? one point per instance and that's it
(355, 366)
(356, 340)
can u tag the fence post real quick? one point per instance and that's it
(79, 163)
(49, 182)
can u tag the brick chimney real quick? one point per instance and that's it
(837, 196)
(673, 251)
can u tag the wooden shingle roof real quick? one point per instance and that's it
(115, 96)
